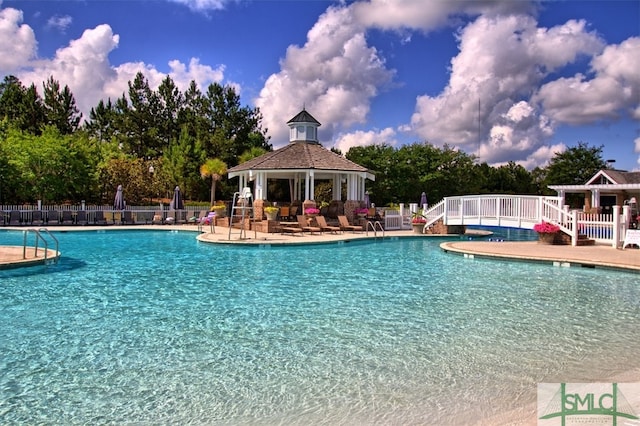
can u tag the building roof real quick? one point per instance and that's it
(304, 117)
(615, 177)
(299, 156)
(607, 180)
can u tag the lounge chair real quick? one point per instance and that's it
(53, 217)
(293, 212)
(198, 219)
(284, 212)
(100, 218)
(290, 229)
(322, 223)
(127, 218)
(37, 218)
(302, 221)
(157, 219)
(181, 217)
(67, 217)
(345, 226)
(15, 218)
(81, 218)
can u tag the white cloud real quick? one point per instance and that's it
(385, 14)
(17, 41)
(334, 75)
(613, 91)
(344, 142)
(485, 107)
(203, 5)
(84, 66)
(61, 23)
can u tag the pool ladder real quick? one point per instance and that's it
(38, 236)
(374, 227)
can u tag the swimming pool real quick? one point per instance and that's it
(156, 328)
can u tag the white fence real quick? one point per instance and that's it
(520, 211)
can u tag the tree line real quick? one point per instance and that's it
(153, 140)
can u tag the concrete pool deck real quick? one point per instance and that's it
(602, 256)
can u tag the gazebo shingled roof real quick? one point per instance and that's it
(302, 156)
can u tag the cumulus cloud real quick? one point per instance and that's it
(386, 15)
(17, 41)
(60, 23)
(614, 89)
(203, 5)
(84, 65)
(346, 141)
(335, 75)
(487, 107)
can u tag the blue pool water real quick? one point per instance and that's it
(146, 327)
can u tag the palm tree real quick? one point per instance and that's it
(214, 168)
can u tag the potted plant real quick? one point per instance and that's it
(271, 212)
(311, 212)
(361, 212)
(219, 209)
(546, 232)
(417, 222)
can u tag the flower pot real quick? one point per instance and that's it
(418, 228)
(271, 215)
(546, 237)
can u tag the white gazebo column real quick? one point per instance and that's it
(312, 185)
(297, 190)
(595, 198)
(259, 187)
(337, 187)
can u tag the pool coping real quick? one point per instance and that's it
(595, 256)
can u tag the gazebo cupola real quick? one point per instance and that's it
(303, 128)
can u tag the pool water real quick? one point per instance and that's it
(150, 327)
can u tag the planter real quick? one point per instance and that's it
(272, 215)
(546, 237)
(418, 228)
(220, 212)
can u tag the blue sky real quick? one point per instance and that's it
(504, 80)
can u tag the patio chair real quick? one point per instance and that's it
(53, 217)
(345, 226)
(302, 221)
(293, 212)
(15, 218)
(322, 223)
(100, 219)
(67, 217)
(157, 218)
(284, 212)
(127, 218)
(81, 218)
(289, 229)
(198, 219)
(37, 218)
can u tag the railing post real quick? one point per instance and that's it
(616, 227)
(574, 228)
(445, 211)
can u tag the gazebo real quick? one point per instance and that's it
(302, 162)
